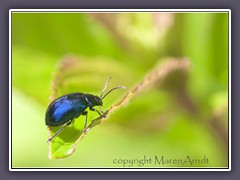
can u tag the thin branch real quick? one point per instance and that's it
(156, 75)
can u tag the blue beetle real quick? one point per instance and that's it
(63, 110)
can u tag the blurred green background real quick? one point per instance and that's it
(174, 121)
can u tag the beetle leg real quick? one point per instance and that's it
(85, 113)
(100, 107)
(71, 122)
(56, 133)
(93, 109)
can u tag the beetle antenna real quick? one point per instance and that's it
(118, 87)
(105, 87)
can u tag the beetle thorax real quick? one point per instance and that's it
(93, 100)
